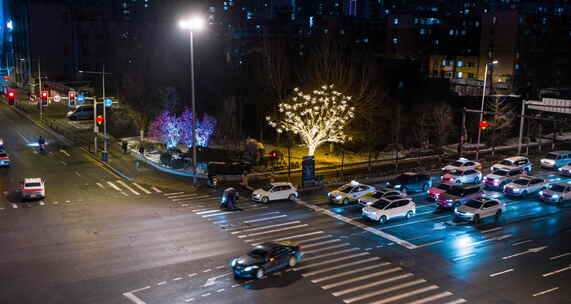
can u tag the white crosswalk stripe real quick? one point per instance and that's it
(265, 227)
(349, 272)
(379, 292)
(320, 243)
(325, 255)
(14, 206)
(122, 183)
(331, 261)
(286, 238)
(141, 188)
(367, 276)
(172, 193)
(317, 238)
(157, 190)
(217, 214)
(265, 219)
(114, 187)
(404, 295)
(432, 298)
(459, 301)
(314, 251)
(272, 231)
(316, 272)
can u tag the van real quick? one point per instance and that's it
(83, 112)
(556, 159)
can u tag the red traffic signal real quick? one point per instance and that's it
(11, 94)
(71, 95)
(44, 94)
(99, 119)
(484, 125)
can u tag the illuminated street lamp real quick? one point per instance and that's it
(193, 24)
(482, 108)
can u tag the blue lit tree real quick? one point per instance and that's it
(168, 128)
(204, 128)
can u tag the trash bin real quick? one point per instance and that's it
(104, 156)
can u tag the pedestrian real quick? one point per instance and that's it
(124, 145)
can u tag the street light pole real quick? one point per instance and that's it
(482, 108)
(40, 91)
(192, 24)
(104, 111)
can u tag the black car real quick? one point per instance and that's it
(265, 258)
(411, 182)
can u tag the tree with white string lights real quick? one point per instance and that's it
(318, 117)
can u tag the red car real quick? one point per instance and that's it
(458, 195)
(435, 192)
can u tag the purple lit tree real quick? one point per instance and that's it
(168, 128)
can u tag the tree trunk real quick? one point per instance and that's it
(141, 135)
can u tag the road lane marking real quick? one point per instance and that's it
(100, 186)
(194, 198)
(360, 278)
(309, 274)
(42, 203)
(321, 237)
(321, 243)
(217, 214)
(545, 275)
(560, 256)
(265, 219)
(207, 270)
(379, 292)
(63, 163)
(314, 251)
(272, 231)
(190, 275)
(285, 238)
(183, 195)
(357, 224)
(141, 188)
(189, 300)
(330, 254)
(463, 257)
(459, 301)
(522, 242)
(122, 183)
(77, 173)
(173, 193)
(545, 291)
(531, 250)
(404, 295)
(161, 283)
(432, 298)
(413, 222)
(349, 272)
(212, 281)
(14, 206)
(157, 190)
(429, 244)
(220, 290)
(265, 227)
(206, 294)
(419, 237)
(114, 187)
(501, 272)
(65, 152)
(131, 295)
(491, 230)
(208, 211)
(331, 261)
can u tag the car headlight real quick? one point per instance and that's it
(516, 189)
(560, 169)
(250, 268)
(540, 192)
(449, 201)
(233, 263)
(398, 186)
(496, 182)
(555, 196)
(257, 195)
(338, 197)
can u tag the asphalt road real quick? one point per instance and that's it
(97, 238)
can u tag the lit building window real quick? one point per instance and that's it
(516, 66)
(395, 20)
(460, 64)
(437, 42)
(544, 20)
(451, 32)
(494, 20)
(395, 40)
(423, 31)
(444, 62)
(459, 74)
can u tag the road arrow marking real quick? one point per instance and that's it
(531, 250)
(212, 280)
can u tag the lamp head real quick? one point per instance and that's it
(194, 23)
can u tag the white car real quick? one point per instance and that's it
(525, 185)
(462, 176)
(512, 163)
(390, 207)
(463, 164)
(274, 192)
(370, 198)
(33, 188)
(499, 178)
(565, 170)
(349, 193)
(480, 208)
(556, 193)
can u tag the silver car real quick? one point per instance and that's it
(462, 176)
(371, 198)
(556, 193)
(480, 208)
(525, 185)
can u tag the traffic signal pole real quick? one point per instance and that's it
(40, 91)
(95, 129)
(104, 112)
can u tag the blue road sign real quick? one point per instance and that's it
(80, 99)
(108, 102)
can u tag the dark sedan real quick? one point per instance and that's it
(265, 258)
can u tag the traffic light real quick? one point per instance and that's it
(99, 119)
(11, 97)
(44, 96)
(484, 125)
(71, 95)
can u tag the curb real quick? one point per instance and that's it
(65, 140)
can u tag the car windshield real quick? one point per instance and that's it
(474, 204)
(381, 204)
(551, 156)
(522, 182)
(258, 253)
(557, 188)
(457, 191)
(506, 163)
(457, 164)
(455, 172)
(346, 189)
(267, 187)
(444, 187)
(501, 172)
(32, 185)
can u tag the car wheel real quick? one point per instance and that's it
(345, 201)
(498, 215)
(260, 273)
(425, 188)
(476, 218)
(292, 197)
(383, 219)
(292, 261)
(265, 199)
(408, 215)
(476, 180)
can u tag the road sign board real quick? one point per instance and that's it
(108, 102)
(57, 98)
(80, 99)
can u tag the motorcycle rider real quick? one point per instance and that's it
(41, 143)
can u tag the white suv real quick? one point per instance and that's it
(390, 207)
(525, 185)
(462, 176)
(33, 188)
(275, 191)
(477, 209)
